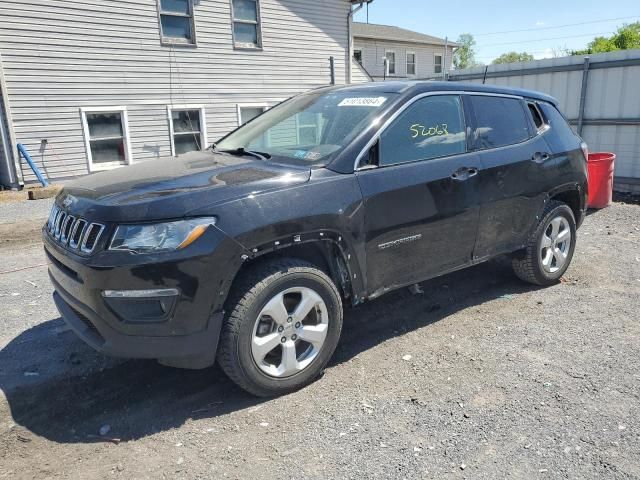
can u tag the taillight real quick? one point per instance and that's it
(585, 151)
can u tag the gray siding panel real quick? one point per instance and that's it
(70, 54)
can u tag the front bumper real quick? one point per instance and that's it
(98, 334)
(190, 329)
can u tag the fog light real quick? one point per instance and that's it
(165, 292)
(142, 306)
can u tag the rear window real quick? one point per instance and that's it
(500, 121)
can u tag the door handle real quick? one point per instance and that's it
(540, 157)
(464, 173)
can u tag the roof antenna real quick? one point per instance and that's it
(368, 12)
(484, 78)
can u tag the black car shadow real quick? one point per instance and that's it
(60, 389)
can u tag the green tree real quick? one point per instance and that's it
(625, 38)
(512, 57)
(465, 54)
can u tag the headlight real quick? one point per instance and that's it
(160, 237)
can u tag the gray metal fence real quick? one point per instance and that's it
(600, 95)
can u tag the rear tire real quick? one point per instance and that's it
(550, 249)
(283, 325)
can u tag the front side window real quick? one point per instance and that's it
(432, 127)
(188, 129)
(411, 63)
(176, 21)
(437, 61)
(106, 138)
(246, 23)
(309, 129)
(391, 62)
(500, 121)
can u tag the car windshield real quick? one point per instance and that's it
(308, 129)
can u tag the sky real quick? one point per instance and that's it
(492, 22)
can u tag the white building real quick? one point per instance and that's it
(405, 54)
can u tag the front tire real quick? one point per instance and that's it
(283, 325)
(550, 248)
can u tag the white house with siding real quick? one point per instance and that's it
(393, 53)
(89, 85)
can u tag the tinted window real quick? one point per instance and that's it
(535, 113)
(500, 121)
(432, 127)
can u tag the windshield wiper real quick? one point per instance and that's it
(241, 152)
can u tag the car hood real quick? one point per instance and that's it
(175, 186)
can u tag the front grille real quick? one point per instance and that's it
(72, 232)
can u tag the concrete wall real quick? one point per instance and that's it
(63, 55)
(611, 120)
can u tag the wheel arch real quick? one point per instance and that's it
(326, 249)
(574, 196)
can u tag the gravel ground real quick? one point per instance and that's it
(482, 376)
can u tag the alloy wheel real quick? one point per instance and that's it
(555, 244)
(289, 332)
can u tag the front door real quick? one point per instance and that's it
(421, 200)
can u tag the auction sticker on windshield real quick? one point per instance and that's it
(362, 102)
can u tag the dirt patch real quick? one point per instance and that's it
(29, 193)
(20, 234)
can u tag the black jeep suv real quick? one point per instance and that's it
(248, 251)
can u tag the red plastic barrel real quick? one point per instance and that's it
(601, 179)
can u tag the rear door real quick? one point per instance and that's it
(421, 197)
(513, 156)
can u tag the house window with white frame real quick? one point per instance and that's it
(188, 128)
(106, 135)
(391, 62)
(437, 64)
(310, 126)
(177, 21)
(246, 23)
(247, 112)
(411, 63)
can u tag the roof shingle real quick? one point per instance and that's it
(387, 32)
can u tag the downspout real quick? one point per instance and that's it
(8, 137)
(352, 12)
(446, 50)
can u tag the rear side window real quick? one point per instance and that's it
(535, 114)
(500, 121)
(432, 127)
